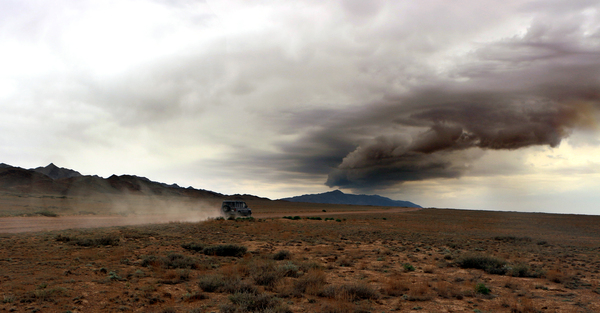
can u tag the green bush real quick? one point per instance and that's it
(289, 269)
(220, 283)
(482, 289)
(225, 250)
(176, 260)
(250, 302)
(489, 264)
(512, 239)
(316, 218)
(408, 267)
(171, 261)
(193, 246)
(211, 283)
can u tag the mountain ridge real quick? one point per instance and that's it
(338, 197)
(62, 181)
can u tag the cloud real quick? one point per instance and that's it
(520, 92)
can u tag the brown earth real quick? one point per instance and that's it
(364, 259)
(43, 223)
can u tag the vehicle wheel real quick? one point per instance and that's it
(227, 210)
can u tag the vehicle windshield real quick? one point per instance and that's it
(236, 204)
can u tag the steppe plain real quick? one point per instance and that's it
(330, 258)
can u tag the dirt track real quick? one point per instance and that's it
(41, 223)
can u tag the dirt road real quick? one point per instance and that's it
(42, 223)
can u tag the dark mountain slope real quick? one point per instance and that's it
(56, 172)
(338, 197)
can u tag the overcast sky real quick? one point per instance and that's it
(464, 104)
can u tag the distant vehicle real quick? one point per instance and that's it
(235, 208)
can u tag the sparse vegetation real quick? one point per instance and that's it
(225, 250)
(487, 263)
(426, 261)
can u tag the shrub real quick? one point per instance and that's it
(522, 270)
(93, 242)
(220, 283)
(338, 220)
(171, 261)
(482, 289)
(242, 219)
(211, 283)
(408, 267)
(225, 250)
(289, 269)
(250, 302)
(350, 292)
(193, 246)
(282, 255)
(190, 297)
(266, 275)
(395, 286)
(46, 213)
(512, 239)
(316, 218)
(176, 260)
(46, 294)
(489, 264)
(62, 238)
(311, 282)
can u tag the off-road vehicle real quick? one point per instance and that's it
(235, 208)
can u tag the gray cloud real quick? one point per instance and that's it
(534, 91)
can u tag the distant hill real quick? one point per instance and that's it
(62, 181)
(338, 197)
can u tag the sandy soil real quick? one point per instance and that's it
(41, 223)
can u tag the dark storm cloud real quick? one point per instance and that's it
(521, 92)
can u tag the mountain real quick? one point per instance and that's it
(62, 181)
(338, 197)
(56, 172)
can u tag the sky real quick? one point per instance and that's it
(451, 104)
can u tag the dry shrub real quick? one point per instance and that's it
(419, 291)
(285, 288)
(311, 283)
(556, 276)
(395, 286)
(351, 292)
(528, 306)
(522, 305)
(445, 289)
(429, 269)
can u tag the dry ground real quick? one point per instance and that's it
(411, 261)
